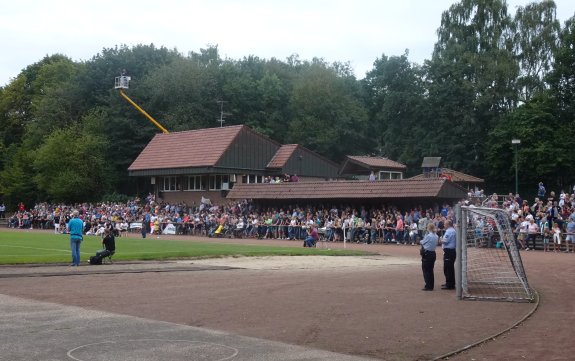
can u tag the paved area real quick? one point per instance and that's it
(33, 330)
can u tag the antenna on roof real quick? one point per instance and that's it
(221, 118)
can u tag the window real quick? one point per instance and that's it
(169, 184)
(193, 183)
(217, 180)
(390, 175)
(252, 178)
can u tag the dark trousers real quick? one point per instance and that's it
(449, 255)
(530, 240)
(427, 263)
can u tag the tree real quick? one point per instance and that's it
(562, 77)
(544, 149)
(397, 104)
(536, 31)
(70, 166)
(328, 117)
(471, 80)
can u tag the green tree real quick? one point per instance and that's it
(536, 31)
(562, 77)
(471, 81)
(16, 178)
(328, 116)
(397, 106)
(70, 166)
(543, 151)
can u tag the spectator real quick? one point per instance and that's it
(312, 237)
(75, 228)
(541, 191)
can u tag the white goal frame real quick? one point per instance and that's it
(488, 263)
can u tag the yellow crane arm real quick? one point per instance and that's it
(164, 130)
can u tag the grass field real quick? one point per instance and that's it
(21, 247)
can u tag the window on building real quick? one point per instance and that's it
(194, 183)
(390, 175)
(252, 178)
(169, 184)
(217, 180)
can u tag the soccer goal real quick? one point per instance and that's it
(488, 264)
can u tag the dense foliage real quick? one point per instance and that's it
(67, 135)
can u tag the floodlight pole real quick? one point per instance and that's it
(516, 143)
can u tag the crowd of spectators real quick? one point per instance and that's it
(243, 219)
(549, 217)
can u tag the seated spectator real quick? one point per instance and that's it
(109, 243)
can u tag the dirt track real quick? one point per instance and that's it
(375, 310)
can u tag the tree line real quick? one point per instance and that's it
(67, 135)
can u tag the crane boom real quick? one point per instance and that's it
(122, 82)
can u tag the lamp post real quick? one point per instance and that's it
(516, 143)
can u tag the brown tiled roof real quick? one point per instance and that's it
(404, 188)
(455, 176)
(377, 162)
(282, 156)
(193, 148)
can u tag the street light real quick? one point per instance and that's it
(516, 143)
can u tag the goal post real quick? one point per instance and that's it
(488, 263)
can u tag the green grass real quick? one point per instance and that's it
(21, 247)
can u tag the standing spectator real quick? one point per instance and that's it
(422, 226)
(2, 211)
(449, 254)
(556, 238)
(428, 244)
(399, 230)
(413, 233)
(570, 238)
(75, 228)
(145, 224)
(372, 177)
(541, 191)
(546, 232)
(523, 228)
(532, 231)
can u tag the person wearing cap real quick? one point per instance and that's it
(75, 228)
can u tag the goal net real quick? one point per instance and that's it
(488, 262)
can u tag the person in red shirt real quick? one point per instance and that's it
(312, 236)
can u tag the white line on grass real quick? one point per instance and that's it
(40, 249)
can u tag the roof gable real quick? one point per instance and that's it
(166, 150)
(361, 164)
(281, 157)
(454, 175)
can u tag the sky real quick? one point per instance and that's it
(357, 31)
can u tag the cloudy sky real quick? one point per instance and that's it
(337, 30)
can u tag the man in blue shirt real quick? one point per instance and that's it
(449, 254)
(75, 228)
